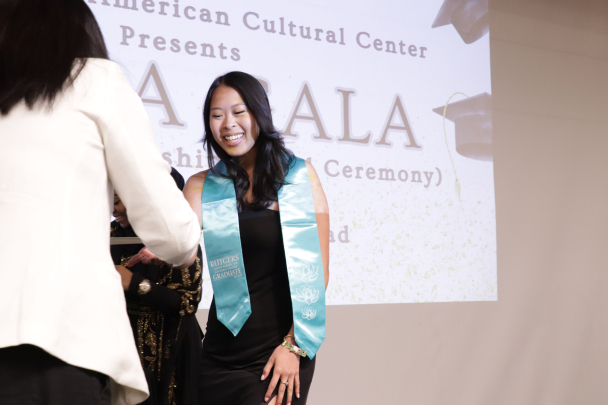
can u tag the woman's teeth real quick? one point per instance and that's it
(233, 138)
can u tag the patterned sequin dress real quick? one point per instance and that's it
(167, 334)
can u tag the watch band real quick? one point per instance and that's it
(293, 348)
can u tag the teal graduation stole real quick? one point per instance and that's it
(302, 254)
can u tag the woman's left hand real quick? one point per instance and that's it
(125, 276)
(286, 370)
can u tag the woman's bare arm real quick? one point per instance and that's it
(193, 191)
(322, 213)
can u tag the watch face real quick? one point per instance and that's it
(144, 287)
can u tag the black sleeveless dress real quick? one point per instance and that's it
(232, 365)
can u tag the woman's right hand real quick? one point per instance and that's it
(285, 367)
(146, 257)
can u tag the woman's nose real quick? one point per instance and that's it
(229, 122)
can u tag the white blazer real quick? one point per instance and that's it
(59, 289)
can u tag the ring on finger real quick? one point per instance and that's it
(285, 382)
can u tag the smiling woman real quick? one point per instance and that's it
(260, 344)
(237, 126)
(233, 127)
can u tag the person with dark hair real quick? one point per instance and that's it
(265, 223)
(71, 131)
(161, 302)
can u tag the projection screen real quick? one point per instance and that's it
(389, 100)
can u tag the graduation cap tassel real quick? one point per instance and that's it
(445, 110)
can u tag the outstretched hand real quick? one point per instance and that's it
(146, 257)
(286, 370)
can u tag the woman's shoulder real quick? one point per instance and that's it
(97, 71)
(194, 185)
(198, 178)
(102, 67)
(102, 81)
(193, 192)
(312, 173)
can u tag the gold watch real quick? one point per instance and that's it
(293, 348)
(144, 287)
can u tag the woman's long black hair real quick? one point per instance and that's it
(43, 44)
(273, 158)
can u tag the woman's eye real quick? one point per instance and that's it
(240, 112)
(216, 116)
